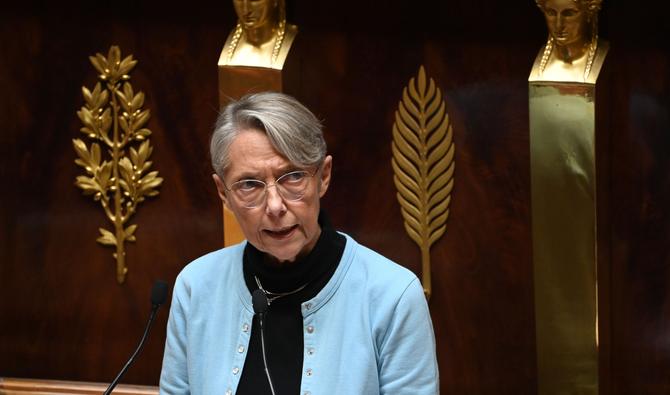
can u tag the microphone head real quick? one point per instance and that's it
(260, 301)
(159, 293)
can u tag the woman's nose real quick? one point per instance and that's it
(275, 203)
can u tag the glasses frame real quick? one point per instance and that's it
(275, 184)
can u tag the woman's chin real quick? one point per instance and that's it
(282, 255)
(282, 259)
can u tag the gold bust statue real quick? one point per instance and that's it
(262, 38)
(573, 52)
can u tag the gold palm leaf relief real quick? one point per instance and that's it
(423, 165)
(113, 117)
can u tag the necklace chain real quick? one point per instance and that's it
(276, 295)
(279, 39)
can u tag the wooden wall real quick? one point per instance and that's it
(62, 314)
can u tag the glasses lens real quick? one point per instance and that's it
(292, 185)
(249, 192)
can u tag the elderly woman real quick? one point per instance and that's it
(572, 51)
(327, 316)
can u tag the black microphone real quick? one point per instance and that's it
(159, 293)
(259, 300)
(158, 296)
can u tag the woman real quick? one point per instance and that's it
(339, 318)
(573, 51)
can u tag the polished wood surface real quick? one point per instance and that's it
(62, 314)
(12, 386)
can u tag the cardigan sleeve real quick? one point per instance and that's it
(407, 358)
(174, 373)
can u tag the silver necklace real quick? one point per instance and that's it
(276, 295)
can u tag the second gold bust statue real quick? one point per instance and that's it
(262, 38)
(573, 48)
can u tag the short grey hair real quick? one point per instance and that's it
(291, 128)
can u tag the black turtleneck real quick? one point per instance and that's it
(283, 320)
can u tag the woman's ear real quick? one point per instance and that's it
(221, 189)
(324, 180)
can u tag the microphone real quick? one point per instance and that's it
(259, 301)
(158, 296)
(159, 293)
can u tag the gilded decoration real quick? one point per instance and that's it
(261, 38)
(423, 165)
(114, 121)
(573, 51)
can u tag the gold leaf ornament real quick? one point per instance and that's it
(423, 165)
(112, 116)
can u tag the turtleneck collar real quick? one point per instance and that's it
(313, 269)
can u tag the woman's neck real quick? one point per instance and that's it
(323, 258)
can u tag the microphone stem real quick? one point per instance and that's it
(111, 387)
(265, 362)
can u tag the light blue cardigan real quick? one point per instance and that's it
(367, 332)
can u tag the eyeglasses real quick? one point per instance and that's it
(290, 186)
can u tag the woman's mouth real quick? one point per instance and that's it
(281, 233)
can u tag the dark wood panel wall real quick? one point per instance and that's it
(63, 316)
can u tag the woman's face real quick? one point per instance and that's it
(283, 229)
(566, 21)
(254, 13)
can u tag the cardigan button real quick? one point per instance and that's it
(245, 327)
(310, 329)
(308, 372)
(236, 370)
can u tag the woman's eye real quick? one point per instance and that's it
(293, 177)
(248, 185)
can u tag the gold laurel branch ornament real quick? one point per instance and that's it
(423, 165)
(113, 118)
